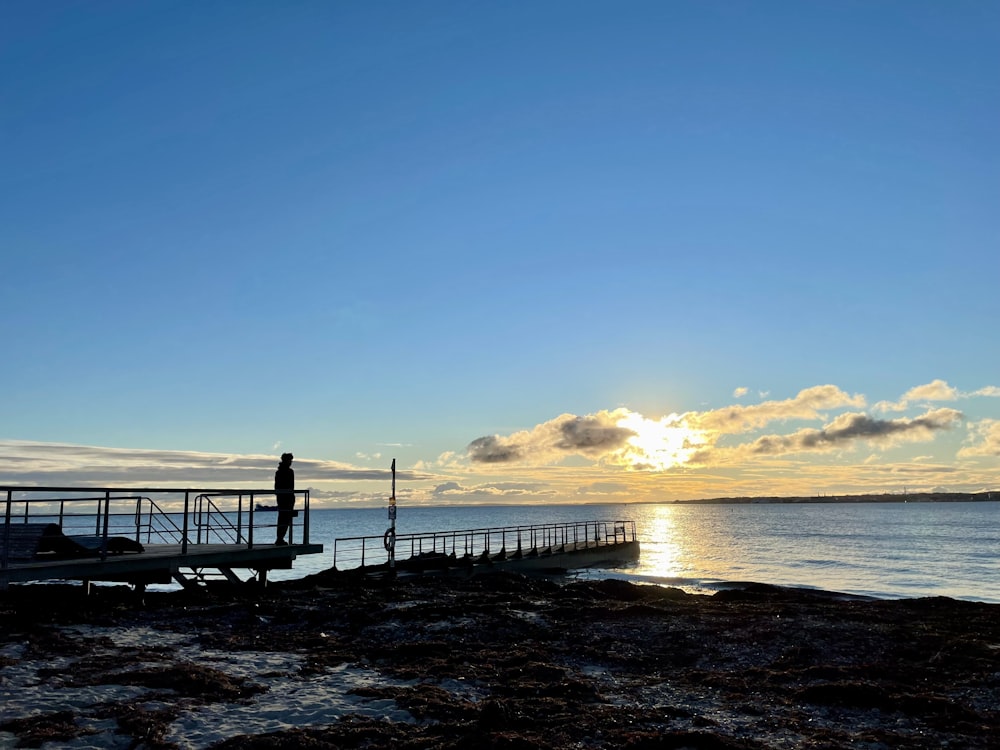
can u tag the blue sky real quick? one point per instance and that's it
(534, 251)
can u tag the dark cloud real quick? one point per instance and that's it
(857, 426)
(591, 435)
(490, 450)
(595, 435)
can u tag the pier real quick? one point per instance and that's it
(550, 547)
(144, 536)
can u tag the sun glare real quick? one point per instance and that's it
(661, 552)
(659, 444)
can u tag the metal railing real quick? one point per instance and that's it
(513, 541)
(148, 515)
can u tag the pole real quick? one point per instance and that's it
(391, 533)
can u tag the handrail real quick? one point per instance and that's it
(214, 520)
(521, 540)
(228, 514)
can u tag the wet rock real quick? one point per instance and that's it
(36, 730)
(190, 680)
(505, 661)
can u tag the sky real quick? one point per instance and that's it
(547, 252)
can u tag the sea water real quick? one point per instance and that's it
(886, 550)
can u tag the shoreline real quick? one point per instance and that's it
(496, 660)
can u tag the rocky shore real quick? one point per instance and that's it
(496, 661)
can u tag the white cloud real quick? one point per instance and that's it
(936, 390)
(806, 405)
(984, 439)
(740, 392)
(991, 390)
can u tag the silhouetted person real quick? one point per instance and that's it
(284, 484)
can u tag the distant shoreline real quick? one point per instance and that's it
(913, 497)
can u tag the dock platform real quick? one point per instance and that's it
(544, 548)
(144, 536)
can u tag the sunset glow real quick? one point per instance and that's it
(659, 444)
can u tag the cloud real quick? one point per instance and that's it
(593, 436)
(740, 392)
(841, 433)
(603, 489)
(630, 440)
(984, 439)
(685, 445)
(615, 454)
(806, 405)
(60, 464)
(936, 390)
(492, 492)
(991, 390)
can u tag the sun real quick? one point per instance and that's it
(658, 444)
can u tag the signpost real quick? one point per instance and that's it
(390, 534)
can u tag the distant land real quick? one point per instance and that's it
(910, 497)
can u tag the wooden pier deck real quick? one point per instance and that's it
(162, 563)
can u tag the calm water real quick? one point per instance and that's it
(886, 550)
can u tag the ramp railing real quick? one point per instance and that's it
(149, 515)
(508, 541)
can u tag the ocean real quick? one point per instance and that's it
(883, 550)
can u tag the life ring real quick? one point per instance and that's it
(389, 539)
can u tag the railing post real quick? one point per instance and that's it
(184, 524)
(239, 519)
(253, 504)
(107, 518)
(305, 521)
(6, 531)
(138, 518)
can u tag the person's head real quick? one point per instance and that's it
(286, 458)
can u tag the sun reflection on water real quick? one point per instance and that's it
(662, 549)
